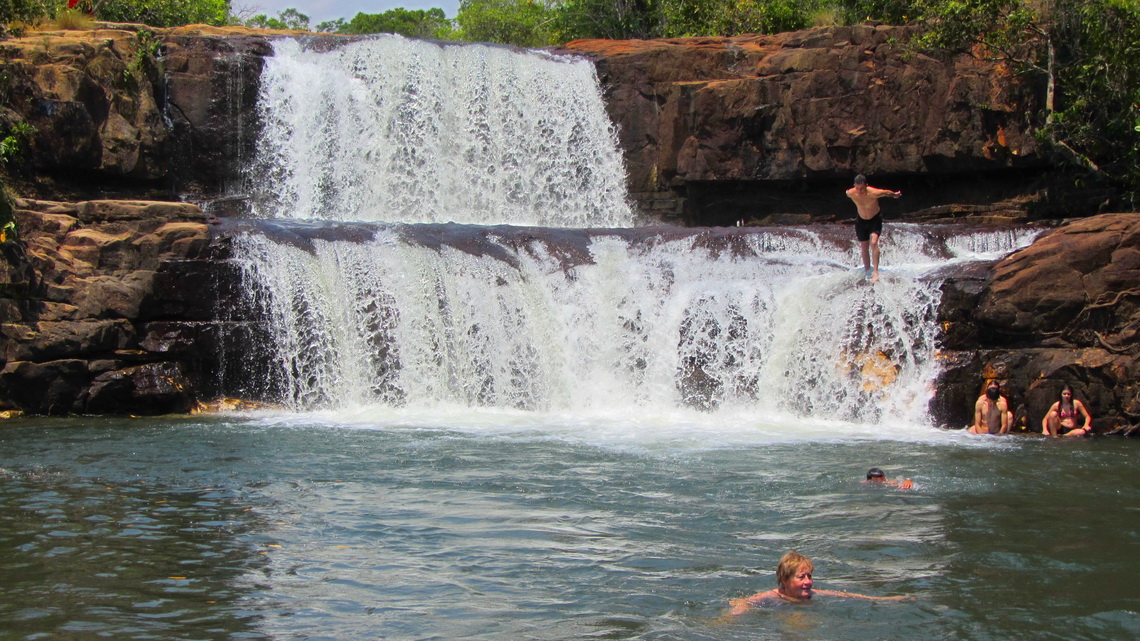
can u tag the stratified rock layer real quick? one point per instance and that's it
(106, 307)
(751, 126)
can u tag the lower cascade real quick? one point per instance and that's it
(599, 321)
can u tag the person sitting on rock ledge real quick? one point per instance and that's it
(1061, 419)
(991, 412)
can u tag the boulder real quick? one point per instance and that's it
(1066, 309)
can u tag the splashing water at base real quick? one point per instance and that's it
(596, 323)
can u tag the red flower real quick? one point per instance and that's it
(71, 3)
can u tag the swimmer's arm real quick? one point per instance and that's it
(740, 606)
(879, 193)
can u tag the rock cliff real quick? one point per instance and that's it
(714, 130)
(1066, 309)
(107, 307)
(126, 111)
(116, 307)
(760, 127)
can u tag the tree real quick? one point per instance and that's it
(524, 23)
(164, 13)
(614, 19)
(419, 23)
(332, 26)
(1085, 52)
(287, 19)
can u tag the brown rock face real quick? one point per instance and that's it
(105, 307)
(125, 111)
(1063, 310)
(751, 126)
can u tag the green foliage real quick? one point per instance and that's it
(332, 26)
(1088, 51)
(431, 23)
(287, 19)
(733, 17)
(614, 19)
(28, 11)
(147, 51)
(887, 11)
(15, 145)
(165, 13)
(525, 23)
(8, 232)
(675, 18)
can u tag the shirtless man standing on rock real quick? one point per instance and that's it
(869, 224)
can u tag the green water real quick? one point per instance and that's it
(297, 527)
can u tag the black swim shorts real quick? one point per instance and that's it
(864, 228)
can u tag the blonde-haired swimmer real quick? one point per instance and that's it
(793, 576)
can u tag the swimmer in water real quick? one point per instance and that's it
(875, 475)
(793, 576)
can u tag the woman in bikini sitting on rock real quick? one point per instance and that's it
(1061, 420)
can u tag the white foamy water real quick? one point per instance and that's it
(398, 130)
(769, 328)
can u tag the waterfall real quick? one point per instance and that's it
(599, 321)
(398, 130)
(446, 227)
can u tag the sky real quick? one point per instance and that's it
(323, 10)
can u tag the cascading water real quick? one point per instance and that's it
(399, 309)
(397, 130)
(599, 322)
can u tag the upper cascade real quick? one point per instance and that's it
(389, 129)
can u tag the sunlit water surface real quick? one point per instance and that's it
(371, 525)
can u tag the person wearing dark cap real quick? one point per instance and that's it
(869, 223)
(875, 475)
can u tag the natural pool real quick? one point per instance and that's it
(373, 524)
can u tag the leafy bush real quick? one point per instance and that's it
(165, 13)
(1085, 53)
(15, 145)
(431, 23)
(28, 11)
(525, 23)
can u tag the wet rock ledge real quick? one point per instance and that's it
(1066, 309)
(126, 307)
(107, 307)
